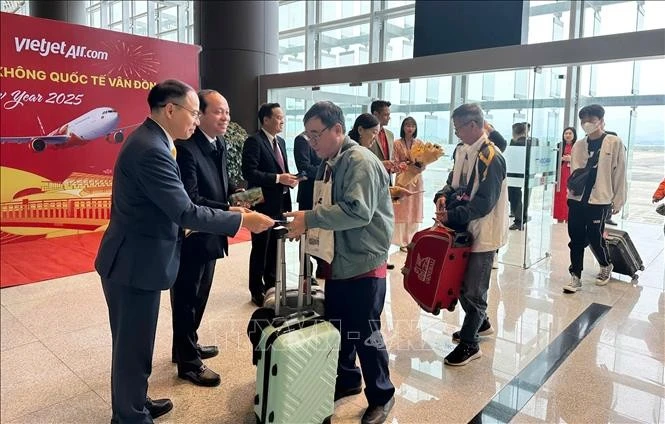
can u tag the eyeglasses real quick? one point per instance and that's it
(314, 136)
(195, 113)
(462, 126)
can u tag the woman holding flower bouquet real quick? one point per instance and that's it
(409, 210)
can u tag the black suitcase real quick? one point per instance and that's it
(625, 258)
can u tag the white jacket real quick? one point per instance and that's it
(489, 231)
(611, 184)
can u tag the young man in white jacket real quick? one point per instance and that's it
(480, 174)
(604, 191)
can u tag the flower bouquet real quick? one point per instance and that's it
(422, 154)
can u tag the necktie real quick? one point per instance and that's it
(278, 154)
(174, 152)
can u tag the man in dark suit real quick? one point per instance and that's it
(140, 251)
(308, 163)
(265, 165)
(383, 148)
(519, 202)
(203, 170)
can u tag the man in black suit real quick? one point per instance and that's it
(140, 251)
(203, 170)
(308, 163)
(519, 202)
(265, 165)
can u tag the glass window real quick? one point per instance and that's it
(116, 27)
(333, 10)
(95, 18)
(392, 4)
(292, 54)
(116, 11)
(140, 7)
(291, 15)
(399, 38)
(344, 46)
(622, 16)
(172, 36)
(168, 19)
(140, 25)
(653, 14)
(548, 21)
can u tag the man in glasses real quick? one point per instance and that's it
(478, 175)
(361, 220)
(139, 253)
(265, 165)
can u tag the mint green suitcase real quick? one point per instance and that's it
(297, 366)
(296, 372)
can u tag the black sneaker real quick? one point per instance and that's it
(463, 354)
(484, 330)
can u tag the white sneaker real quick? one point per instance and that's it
(574, 285)
(604, 275)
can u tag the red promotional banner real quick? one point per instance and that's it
(69, 96)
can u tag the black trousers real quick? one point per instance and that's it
(354, 307)
(262, 262)
(189, 296)
(133, 317)
(586, 224)
(519, 204)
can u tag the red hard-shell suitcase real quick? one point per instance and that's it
(435, 265)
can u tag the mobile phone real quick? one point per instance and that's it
(301, 176)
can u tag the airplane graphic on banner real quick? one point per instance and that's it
(99, 122)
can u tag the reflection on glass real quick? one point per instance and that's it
(291, 15)
(399, 38)
(344, 46)
(333, 10)
(140, 7)
(292, 54)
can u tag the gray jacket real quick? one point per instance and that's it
(361, 214)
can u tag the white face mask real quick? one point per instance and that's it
(589, 127)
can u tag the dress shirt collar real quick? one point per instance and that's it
(210, 139)
(271, 137)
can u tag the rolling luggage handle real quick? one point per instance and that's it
(304, 288)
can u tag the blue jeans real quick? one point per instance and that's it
(473, 297)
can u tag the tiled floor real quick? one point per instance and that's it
(56, 346)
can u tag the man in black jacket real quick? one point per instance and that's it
(203, 170)
(265, 165)
(519, 202)
(308, 163)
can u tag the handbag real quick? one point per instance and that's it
(578, 178)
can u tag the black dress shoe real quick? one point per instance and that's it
(204, 376)
(390, 266)
(350, 391)
(206, 352)
(158, 407)
(377, 414)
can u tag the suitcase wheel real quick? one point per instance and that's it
(256, 399)
(452, 305)
(635, 277)
(274, 371)
(437, 309)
